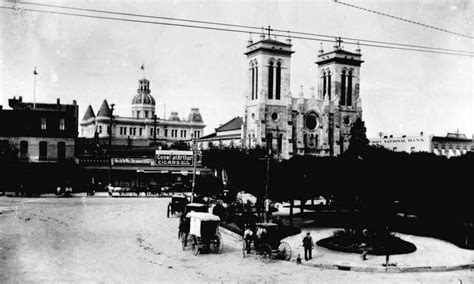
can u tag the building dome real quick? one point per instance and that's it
(195, 115)
(143, 98)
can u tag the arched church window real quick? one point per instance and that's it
(329, 84)
(343, 88)
(311, 121)
(278, 80)
(256, 81)
(324, 83)
(253, 83)
(270, 80)
(349, 88)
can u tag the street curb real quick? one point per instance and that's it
(348, 267)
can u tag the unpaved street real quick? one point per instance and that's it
(131, 240)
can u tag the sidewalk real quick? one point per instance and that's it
(431, 255)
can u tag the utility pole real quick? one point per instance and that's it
(34, 88)
(194, 169)
(110, 142)
(154, 130)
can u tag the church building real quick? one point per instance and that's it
(319, 125)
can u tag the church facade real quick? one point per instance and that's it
(289, 126)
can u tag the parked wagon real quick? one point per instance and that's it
(177, 204)
(203, 234)
(266, 242)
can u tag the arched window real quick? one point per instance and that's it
(343, 88)
(256, 80)
(43, 150)
(329, 84)
(278, 80)
(324, 83)
(349, 88)
(270, 80)
(253, 82)
(61, 150)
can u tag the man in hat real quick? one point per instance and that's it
(308, 246)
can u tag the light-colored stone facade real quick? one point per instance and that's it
(143, 125)
(319, 125)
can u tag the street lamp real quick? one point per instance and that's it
(110, 142)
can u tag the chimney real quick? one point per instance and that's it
(58, 101)
(421, 133)
(20, 99)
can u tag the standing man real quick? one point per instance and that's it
(308, 246)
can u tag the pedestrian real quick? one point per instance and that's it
(364, 254)
(248, 234)
(308, 246)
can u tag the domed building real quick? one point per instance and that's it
(144, 127)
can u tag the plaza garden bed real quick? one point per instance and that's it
(353, 242)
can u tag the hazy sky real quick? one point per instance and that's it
(90, 60)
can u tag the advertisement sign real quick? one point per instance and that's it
(131, 161)
(175, 158)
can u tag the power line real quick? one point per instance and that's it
(242, 26)
(231, 30)
(402, 19)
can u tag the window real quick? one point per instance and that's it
(125, 131)
(131, 131)
(43, 150)
(140, 131)
(157, 132)
(270, 80)
(138, 114)
(256, 82)
(61, 150)
(151, 131)
(278, 80)
(269, 141)
(253, 83)
(324, 83)
(134, 131)
(329, 85)
(43, 123)
(23, 149)
(199, 134)
(62, 125)
(349, 89)
(184, 133)
(166, 132)
(146, 114)
(100, 129)
(343, 88)
(108, 130)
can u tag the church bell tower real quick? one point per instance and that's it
(267, 119)
(338, 86)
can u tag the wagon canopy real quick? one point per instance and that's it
(203, 225)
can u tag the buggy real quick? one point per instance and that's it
(266, 242)
(203, 233)
(177, 204)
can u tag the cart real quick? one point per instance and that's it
(184, 221)
(267, 243)
(203, 233)
(177, 204)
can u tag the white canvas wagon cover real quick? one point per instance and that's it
(197, 221)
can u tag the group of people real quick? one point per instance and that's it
(260, 236)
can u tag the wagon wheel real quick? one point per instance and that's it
(183, 240)
(196, 247)
(244, 247)
(218, 244)
(265, 253)
(284, 251)
(168, 211)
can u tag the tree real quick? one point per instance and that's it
(358, 142)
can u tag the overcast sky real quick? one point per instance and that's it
(89, 60)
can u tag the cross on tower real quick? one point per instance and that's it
(339, 41)
(269, 30)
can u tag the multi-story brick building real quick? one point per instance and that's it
(40, 132)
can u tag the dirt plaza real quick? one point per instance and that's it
(84, 239)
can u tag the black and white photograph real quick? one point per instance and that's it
(236, 141)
